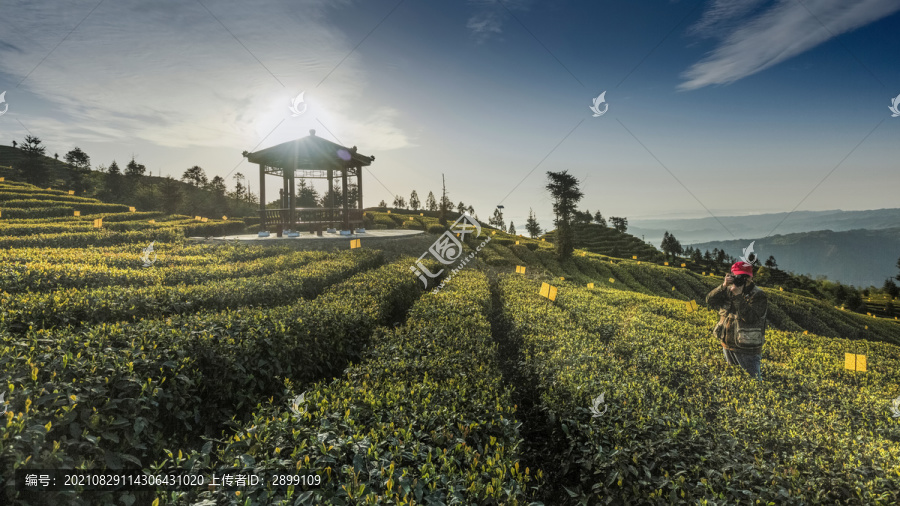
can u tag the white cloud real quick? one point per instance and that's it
(780, 32)
(490, 15)
(168, 73)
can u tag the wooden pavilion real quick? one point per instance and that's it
(310, 157)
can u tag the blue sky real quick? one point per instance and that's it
(729, 108)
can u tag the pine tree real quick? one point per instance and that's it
(431, 203)
(599, 219)
(414, 201)
(512, 228)
(532, 226)
(563, 187)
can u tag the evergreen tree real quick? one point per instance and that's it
(414, 201)
(114, 169)
(431, 203)
(471, 210)
(195, 176)
(497, 220)
(771, 263)
(512, 228)
(563, 187)
(134, 169)
(890, 288)
(33, 168)
(307, 196)
(532, 226)
(240, 191)
(382, 204)
(460, 208)
(445, 202)
(79, 164)
(620, 224)
(399, 202)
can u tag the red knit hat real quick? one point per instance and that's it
(742, 268)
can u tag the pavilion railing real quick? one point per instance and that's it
(310, 218)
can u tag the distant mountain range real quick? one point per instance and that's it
(698, 230)
(855, 257)
(854, 247)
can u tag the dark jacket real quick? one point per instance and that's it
(748, 308)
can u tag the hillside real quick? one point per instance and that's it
(150, 193)
(339, 368)
(856, 257)
(609, 241)
(698, 230)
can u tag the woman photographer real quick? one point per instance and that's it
(742, 309)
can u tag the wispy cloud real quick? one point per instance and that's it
(490, 15)
(167, 73)
(755, 38)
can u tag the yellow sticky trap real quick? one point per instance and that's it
(520, 269)
(355, 243)
(855, 362)
(494, 232)
(389, 211)
(517, 243)
(224, 218)
(590, 285)
(71, 192)
(98, 223)
(691, 306)
(204, 220)
(639, 262)
(152, 222)
(667, 263)
(196, 218)
(77, 213)
(543, 240)
(421, 214)
(634, 257)
(704, 273)
(673, 288)
(548, 291)
(2, 179)
(612, 280)
(780, 289)
(684, 265)
(411, 219)
(582, 253)
(131, 209)
(562, 278)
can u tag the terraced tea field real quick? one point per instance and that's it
(337, 370)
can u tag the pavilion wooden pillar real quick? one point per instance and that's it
(345, 211)
(331, 197)
(262, 197)
(291, 201)
(359, 187)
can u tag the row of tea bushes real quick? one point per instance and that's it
(45, 276)
(32, 227)
(678, 425)
(96, 239)
(180, 253)
(114, 303)
(84, 205)
(424, 419)
(119, 394)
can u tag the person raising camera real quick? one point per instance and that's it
(742, 308)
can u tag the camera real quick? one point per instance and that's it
(741, 279)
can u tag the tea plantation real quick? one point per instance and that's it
(337, 370)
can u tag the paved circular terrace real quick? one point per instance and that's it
(306, 236)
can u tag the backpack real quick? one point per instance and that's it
(751, 337)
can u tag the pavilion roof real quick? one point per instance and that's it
(309, 152)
